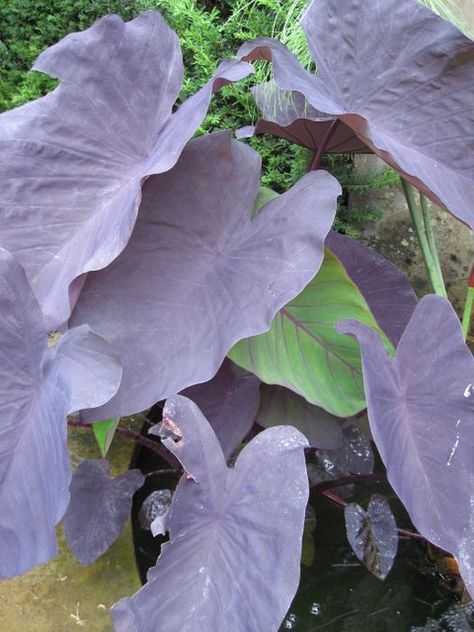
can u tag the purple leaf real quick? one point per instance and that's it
(198, 274)
(99, 508)
(401, 78)
(225, 524)
(72, 162)
(384, 287)
(156, 505)
(354, 454)
(421, 412)
(373, 534)
(279, 406)
(288, 115)
(39, 387)
(229, 402)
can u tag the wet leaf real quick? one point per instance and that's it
(225, 524)
(421, 412)
(373, 534)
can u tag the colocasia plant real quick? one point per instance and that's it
(170, 274)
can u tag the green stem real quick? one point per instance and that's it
(467, 314)
(433, 269)
(431, 238)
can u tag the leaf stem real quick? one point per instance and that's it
(163, 472)
(424, 231)
(126, 433)
(349, 480)
(314, 164)
(467, 313)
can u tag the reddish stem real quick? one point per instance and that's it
(349, 480)
(126, 433)
(319, 154)
(161, 472)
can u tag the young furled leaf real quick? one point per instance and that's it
(229, 402)
(39, 386)
(421, 412)
(385, 288)
(99, 508)
(279, 407)
(198, 273)
(72, 163)
(302, 352)
(104, 433)
(225, 524)
(379, 65)
(373, 534)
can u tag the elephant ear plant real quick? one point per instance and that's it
(170, 274)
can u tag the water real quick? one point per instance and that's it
(337, 593)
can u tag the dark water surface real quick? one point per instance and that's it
(337, 593)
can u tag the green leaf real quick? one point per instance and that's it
(303, 351)
(458, 12)
(104, 433)
(265, 194)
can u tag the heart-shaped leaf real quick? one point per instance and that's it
(229, 402)
(303, 352)
(373, 534)
(198, 273)
(225, 524)
(421, 412)
(39, 386)
(99, 508)
(379, 65)
(72, 162)
(279, 407)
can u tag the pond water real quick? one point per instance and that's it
(337, 593)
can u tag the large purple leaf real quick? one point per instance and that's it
(225, 524)
(99, 508)
(373, 534)
(385, 288)
(72, 162)
(279, 406)
(198, 274)
(229, 402)
(421, 412)
(38, 388)
(401, 78)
